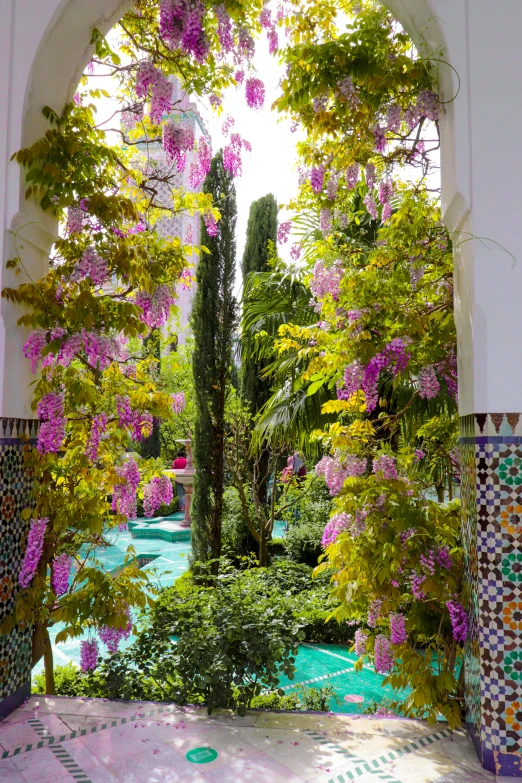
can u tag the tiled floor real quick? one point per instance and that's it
(55, 739)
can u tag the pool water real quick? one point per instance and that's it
(317, 664)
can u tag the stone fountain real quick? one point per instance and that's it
(186, 477)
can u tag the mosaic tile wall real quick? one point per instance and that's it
(491, 464)
(15, 484)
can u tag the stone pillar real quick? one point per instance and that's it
(15, 485)
(479, 59)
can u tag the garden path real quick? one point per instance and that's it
(100, 741)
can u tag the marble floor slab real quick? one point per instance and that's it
(101, 741)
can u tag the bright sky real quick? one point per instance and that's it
(270, 167)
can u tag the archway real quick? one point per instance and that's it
(56, 44)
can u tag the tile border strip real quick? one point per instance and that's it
(52, 740)
(373, 765)
(61, 754)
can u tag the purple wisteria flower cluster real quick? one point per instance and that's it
(33, 552)
(61, 570)
(156, 493)
(88, 655)
(459, 620)
(124, 494)
(52, 423)
(112, 637)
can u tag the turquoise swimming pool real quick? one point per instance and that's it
(317, 664)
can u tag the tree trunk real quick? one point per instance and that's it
(264, 554)
(50, 687)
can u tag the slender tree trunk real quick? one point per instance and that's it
(50, 687)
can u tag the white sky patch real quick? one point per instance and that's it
(271, 167)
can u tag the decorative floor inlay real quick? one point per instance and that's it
(98, 741)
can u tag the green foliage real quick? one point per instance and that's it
(261, 229)
(176, 376)
(306, 522)
(237, 541)
(213, 319)
(230, 646)
(69, 681)
(316, 699)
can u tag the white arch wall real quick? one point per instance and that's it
(44, 46)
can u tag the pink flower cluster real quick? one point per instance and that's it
(384, 659)
(156, 493)
(346, 88)
(448, 370)
(416, 581)
(178, 402)
(374, 613)
(113, 636)
(225, 34)
(325, 219)
(33, 347)
(326, 280)
(232, 154)
(370, 174)
(246, 44)
(317, 178)
(352, 176)
(155, 306)
(398, 629)
(33, 551)
(295, 252)
(99, 425)
(265, 20)
(161, 90)
(332, 186)
(181, 27)
(384, 467)
(75, 220)
(334, 474)
(90, 265)
(139, 423)
(428, 383)
(61, 570)
(371, 206)
(88, 655)
(52, 423)
(178, 138)
(255, 93)
(200, 168)
(283, 231)
(459, 620)
(356, 377)
(124, 494)
(361, 639)
(211, 224)
(338, 524)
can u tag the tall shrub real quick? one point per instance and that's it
(213, 320)
(261, 228)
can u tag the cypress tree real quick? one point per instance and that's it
(261, 227)
(213, 319)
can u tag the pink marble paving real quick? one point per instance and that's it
(260, 746)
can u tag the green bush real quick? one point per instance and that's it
(306, 522)
(274, 701)
(277, 547)
(69, 681)
(303, 541)
(231, 645)
(236, 539)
